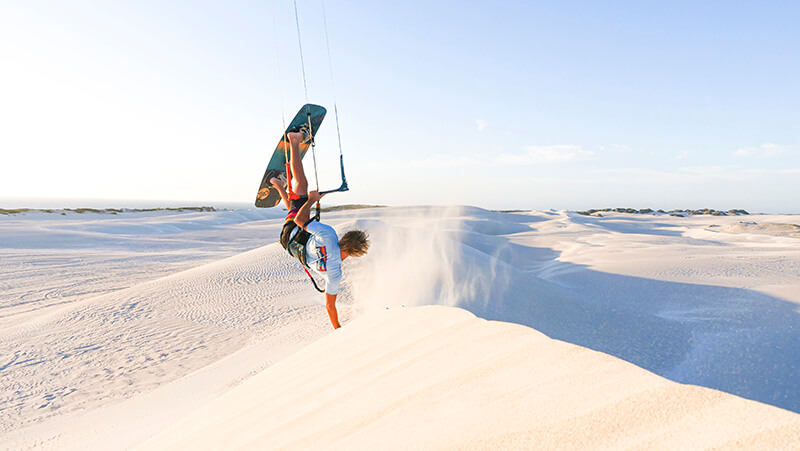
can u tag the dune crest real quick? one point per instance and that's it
(438, 377)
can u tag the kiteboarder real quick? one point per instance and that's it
(316, 245)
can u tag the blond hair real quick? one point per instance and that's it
(355, 243)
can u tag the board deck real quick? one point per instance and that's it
(267, 194)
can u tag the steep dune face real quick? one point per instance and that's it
(667, 294)
(438, 377)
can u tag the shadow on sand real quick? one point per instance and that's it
(735, 340)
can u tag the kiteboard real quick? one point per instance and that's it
(309, 114)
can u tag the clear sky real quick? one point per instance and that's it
(503, 105)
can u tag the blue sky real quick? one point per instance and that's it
(497, 104)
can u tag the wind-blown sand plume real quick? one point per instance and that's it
(437, 377)
(418, 258)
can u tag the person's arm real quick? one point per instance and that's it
(330, 305)
(304, 214)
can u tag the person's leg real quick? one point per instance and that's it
(299, 181)
(281, 187)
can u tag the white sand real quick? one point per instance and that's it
(437, 377)
(77, 368)
(768, 228)
(107, 337)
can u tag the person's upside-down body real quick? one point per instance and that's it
(323, 251)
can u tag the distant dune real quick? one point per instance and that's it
(113, 211)
(767, 228)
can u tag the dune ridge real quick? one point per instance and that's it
(438, 377)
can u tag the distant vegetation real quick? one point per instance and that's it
(112, 211)
(591, 212)
(648, 211)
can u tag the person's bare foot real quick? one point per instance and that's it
(277, 182)
(300, 136)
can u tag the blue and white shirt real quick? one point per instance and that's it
(323, 255)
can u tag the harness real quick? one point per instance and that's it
(296, 246)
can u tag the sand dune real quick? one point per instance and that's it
(667, 294)
(76, 371)
(437, 377)
(115, 327)
(768, 228)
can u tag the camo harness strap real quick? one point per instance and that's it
(297, 249)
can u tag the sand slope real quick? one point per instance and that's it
(105, 371)
(98, 350)
(438, 377)
(676, 296)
